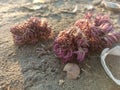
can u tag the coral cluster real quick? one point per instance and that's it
(92, 33)
(30, 31)
(71, 44)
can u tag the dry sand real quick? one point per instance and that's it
(21, 69)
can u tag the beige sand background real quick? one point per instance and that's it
(21, 69)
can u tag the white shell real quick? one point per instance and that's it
(105, 52)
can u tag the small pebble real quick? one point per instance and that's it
(72, 70)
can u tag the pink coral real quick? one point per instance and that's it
(71, 44)
(92, 33)
(30, 31)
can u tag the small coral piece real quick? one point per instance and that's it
(92, 33)
(30, 31)
(71, 44)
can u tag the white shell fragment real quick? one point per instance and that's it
(39, 1)
(89, 7)
(33, 6)
(114, 51)
(61, 82)
(75, 9)
(72, 70)
(111, 6)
